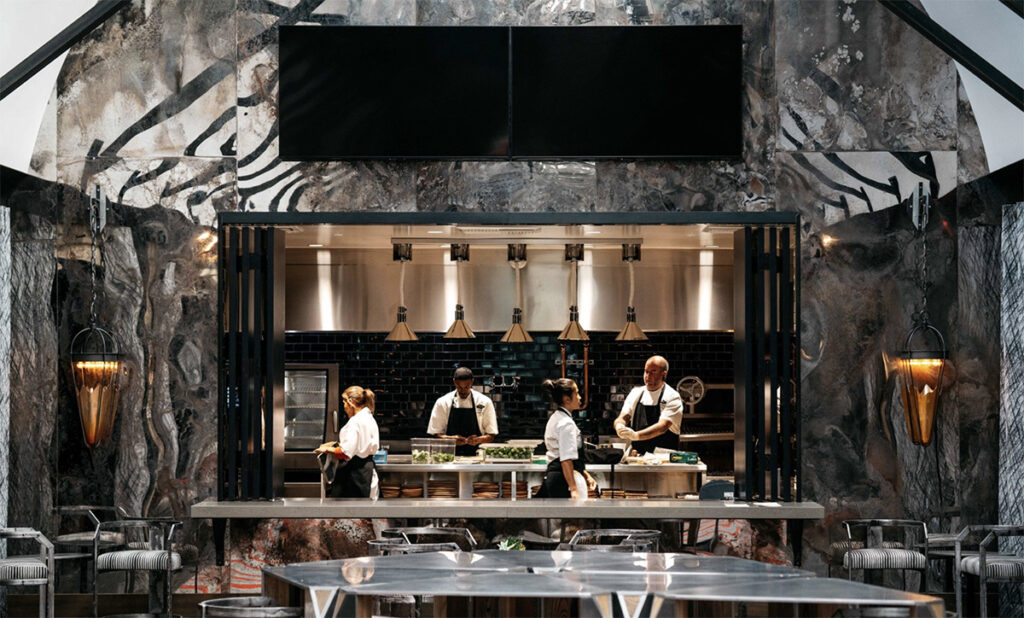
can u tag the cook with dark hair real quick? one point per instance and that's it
(564, 442)
(358, 442)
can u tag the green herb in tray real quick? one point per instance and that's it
(443, 458)
(420, 457)
(508, 452)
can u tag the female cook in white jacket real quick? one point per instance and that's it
(358, 442)
(563, 441)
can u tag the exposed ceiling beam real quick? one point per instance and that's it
(1017, 6)
(952, 46)
(58, 44)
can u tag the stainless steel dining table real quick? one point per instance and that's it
(601, 584)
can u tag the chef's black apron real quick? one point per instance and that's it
(462, 422)
(643, 417)
(555, 484)
(353, 478)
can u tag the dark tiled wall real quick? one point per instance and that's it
(408, 377)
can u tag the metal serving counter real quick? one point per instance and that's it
(634, 584)
(537, 508)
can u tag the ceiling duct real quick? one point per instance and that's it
(631, 331)
(516, 333)
(459, 329)
(573, 331)
(401, 331)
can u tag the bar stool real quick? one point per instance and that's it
(430, 534)
(77, 546)
(872, 555)
(988, 568)
(30, 570)
(160, 559)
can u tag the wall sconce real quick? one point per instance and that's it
(459, 329)
(97, 367)
(401, 252)
(920, 370)
(631, 331)
(920, 374)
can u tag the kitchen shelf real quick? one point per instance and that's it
(706, 415)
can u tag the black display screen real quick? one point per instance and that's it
(377, 92)
(627, 92)
(443, 92)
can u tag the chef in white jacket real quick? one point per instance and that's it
(358, 442)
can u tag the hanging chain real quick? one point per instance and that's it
(922, 315)
(93, 224)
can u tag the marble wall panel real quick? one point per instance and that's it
(650, 12)
(197, 187)
(678, 186)
(466, 13)
(971, 161)
(5, 357)
(159, 81)
(556, 12)
(830, 187)
(506, 186)
(853, 76)
(33, 371)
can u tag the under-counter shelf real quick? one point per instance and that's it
(707, 437)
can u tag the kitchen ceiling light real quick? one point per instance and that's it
(401, 331)
(516, 333)
(459, 329)
(573, 331)
(631, 331)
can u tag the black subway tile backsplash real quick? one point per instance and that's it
(408, 377)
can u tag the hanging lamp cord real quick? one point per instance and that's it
(518, 267)
(631, 285)
(401, 285)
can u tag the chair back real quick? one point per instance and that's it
(880, 533)
(716, 490)
(427, 534)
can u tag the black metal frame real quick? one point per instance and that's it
(768, 452)
(931, 30)
(56, 46)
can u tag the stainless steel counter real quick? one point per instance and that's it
(640, 584)
(554, 508)
(532, 467)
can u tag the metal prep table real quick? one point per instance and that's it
(604, 584)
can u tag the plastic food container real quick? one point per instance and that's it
(421, 450)
(442, 450)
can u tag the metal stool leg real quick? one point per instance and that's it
(983, 599)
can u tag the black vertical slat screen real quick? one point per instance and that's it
(251, 361)
(231, 392)
(767, 364)
(797, 422)
(786, 359)
(221, 381)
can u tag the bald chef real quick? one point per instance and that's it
(464, 414)
(652, 414)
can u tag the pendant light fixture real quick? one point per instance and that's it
(920, 369)
(459, 329)
(516, 333)
(97, 367)
(573, 331)
(401, 252)
(631, 331)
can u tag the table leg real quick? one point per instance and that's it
(219, 529)
(513, 485)
(795, 530)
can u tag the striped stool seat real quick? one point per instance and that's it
(884, 559)
(996, 567)
(838, 549)
(107, 537)
(21, 569)
(138, 559)
(189, 553)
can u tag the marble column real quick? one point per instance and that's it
(5, 357)
(1011, 421)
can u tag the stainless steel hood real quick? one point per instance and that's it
(356, 289)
